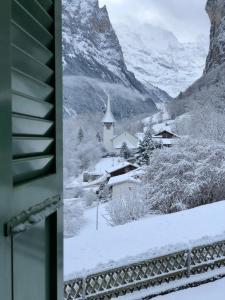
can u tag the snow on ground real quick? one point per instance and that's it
(214, 290)
(108, 163)
(92, 251)
(167, 125)
(203, 292)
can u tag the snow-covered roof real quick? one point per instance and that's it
(96, 182)
(108, 117)
(121, 166)
(107, 163)
(132, 176)
(122, 178)
(159, 133)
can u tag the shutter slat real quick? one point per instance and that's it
(22, 125)
(29, 44)
(33, 94)
(21, 104)
(23, 18)
(46, 4)
(24, 83)
(39, 13)
(27, 64)
(28, 168)
(30, 146)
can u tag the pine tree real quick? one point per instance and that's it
(80, 135)
(145, 148)
(124, 151)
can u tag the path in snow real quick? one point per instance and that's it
(91, 251)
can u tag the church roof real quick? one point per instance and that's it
(108, 117)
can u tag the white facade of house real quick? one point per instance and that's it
(126, 185)
(124, 189)
(125, 137)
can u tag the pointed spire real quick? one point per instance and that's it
(108, 117)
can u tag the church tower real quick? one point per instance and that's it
(108, 128)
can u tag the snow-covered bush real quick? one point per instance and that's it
(81, 147)
(90, 198)
(73, 217)
(189, 174)
(127, 209)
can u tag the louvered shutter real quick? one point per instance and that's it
(30, 150)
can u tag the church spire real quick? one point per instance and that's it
(108, 117)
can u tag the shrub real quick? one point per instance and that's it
(189, 174)
(129, 208)
(73, 217)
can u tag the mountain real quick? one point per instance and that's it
(156, 56)
(210, 88)
(216, 12)
(94, 65)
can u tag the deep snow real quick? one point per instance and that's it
(210, 291)
(91, 251)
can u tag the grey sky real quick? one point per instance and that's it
(186, 18)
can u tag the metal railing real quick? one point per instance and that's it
(147, 273)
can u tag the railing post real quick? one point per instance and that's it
(84, 288)
(189, 262)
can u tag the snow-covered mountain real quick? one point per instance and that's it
(156, 56)
(210, 88)
(94, 65)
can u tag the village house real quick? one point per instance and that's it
(122, 169)
(125, 185)
(165, 138)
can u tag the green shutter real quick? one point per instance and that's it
(30, 150)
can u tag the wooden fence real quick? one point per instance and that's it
(148, 273)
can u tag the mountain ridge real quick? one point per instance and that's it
(93, 56)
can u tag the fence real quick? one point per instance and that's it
(148, 273)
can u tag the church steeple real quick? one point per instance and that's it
(108, 128)
(108, 117)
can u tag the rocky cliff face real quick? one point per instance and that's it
(159, 58)
(210, 88)
(216, 12)
(94, 65)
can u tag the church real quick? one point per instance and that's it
(114, 143)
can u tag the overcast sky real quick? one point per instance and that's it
(185, 18)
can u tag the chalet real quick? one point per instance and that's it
(125, 185)
(166, 138)
(121, 169)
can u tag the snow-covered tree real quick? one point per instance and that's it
(127, 209)
(73, 217)
(145, 149)
(189, 174)
(124, 151)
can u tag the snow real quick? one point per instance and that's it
(121, 166)
(92, 251)
(203, 292)
(214, 290)
(107, 163)
(164, 141)
(128, 177)
(159, 58)
(108, 117)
